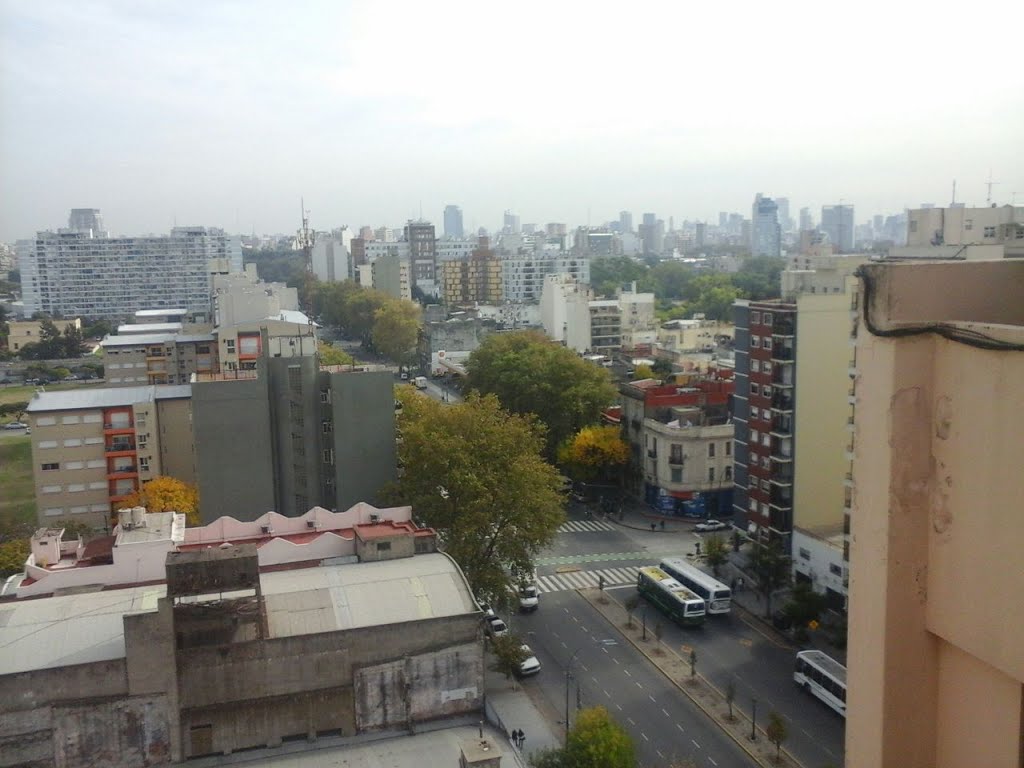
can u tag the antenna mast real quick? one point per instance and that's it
(988, 200)
(306, 239)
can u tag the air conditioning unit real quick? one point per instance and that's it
(374, 519)
(266, 529)
(311, 523)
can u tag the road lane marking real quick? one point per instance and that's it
(659, 754)
(638, 685)
(594, 679)
(583, 667)
(712, 760)
(607, 694)
(564, 645)
(695, 743)
(666, 713)
(619, 706)
(681, 729)
(616, 661)
(627, 673)
(631, 721)
(644, 735)
(649, 696)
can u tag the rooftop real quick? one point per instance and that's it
(137, 328)
(179, 312)
(105, 397)
(147, 339)
(83, 628)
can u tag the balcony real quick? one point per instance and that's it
(782, 426)
(120, 446)
(784, 326)
(652, 453)
(782, 449)
(782, 354)
(118, 427)
(123, 472)
(676, 459)
(782, 473)
(782, 401)
(782, 376)
(781, 497)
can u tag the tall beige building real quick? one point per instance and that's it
(936, 655)
(91, 448)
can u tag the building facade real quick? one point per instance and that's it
(565, 311)
(453, 221)
(75, 273)
(765, 232)
(92, 448)
(522, 275)
(422, 253)
(837, 223)
(935, 524)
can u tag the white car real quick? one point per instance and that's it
(496, 627)
(529, 598)
(530, 665)
(711, 525)
(15, 425)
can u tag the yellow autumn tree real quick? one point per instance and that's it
(643, 372)
(594, 452)
(167, 494)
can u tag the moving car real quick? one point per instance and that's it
(529, 598)
(530, 665)
(15, 425)
(711, 525)
(496, 627)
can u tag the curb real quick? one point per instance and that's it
(710, 714)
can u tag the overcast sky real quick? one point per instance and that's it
(226, 113)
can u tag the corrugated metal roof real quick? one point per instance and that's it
(132, 340)
(137, 328)
(82, 628)
(105, 397)
(160, 312)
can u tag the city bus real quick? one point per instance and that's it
(675, 600)
(823, 676)
(716, 596)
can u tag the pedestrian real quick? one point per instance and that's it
(653, 526)
(663, 524)
(519, 738)
(740, 585)
(522, 739)
(733, 583)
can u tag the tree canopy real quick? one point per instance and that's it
(331, 355)
(54, 344)
(530, 374)
(597, 741)
(594, 452)
(770, 566)
(396, 326)
(167, 494)
(475, 473)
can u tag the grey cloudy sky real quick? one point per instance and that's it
(225, 113)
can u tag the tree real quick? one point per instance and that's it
(759, 277)
(12, 556)
(662, 367)
(716, 553)
(776, 732)
(770, 567)
(331, 355)
(72, 341)
(606, 275)
(597, 741)
(508, 654)
(395, 328)
(532, 375)
(804, 605)
(693, 662)
(642, 372)
(595, 452)
(475, 473)
(730, 695)
(671, 279)
(167, 494)
(631, 604)
(17, 410)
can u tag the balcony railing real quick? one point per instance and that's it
(120, 445)
(782, 354)
(782, 401)
(652, 453)
(118, 425)
(676, 460)
(782, 426)
(783, 327)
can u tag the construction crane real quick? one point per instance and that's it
(306, 239)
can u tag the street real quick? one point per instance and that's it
(734, 647)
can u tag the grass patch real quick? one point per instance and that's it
(17, 489)
(24, 393)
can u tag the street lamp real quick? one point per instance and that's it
(753, 721)
(568, 677)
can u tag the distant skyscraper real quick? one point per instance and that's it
(511, 223)
(723, 219)
(765, 234)
(785, 223)
(452, 221)
(625, 221)
(652, 234)
(86, 220)
(422, 250)
(837, 223)
(701, 233)
(806, 220)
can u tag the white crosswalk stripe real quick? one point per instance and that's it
(561, 582)
(585, 526)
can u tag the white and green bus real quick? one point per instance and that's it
(717, 596)
(676, 601)
(823, 676)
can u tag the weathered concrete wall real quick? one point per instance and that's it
(128, 732)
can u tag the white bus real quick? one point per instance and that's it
(823, 676)
(716, 596)
(679, 603)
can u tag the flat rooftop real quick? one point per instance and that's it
(105, 397)
(148, 339)
(88, 627)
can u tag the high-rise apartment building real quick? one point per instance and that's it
(312, 437)
(785, 223)
(92, 448)
(422, 251)
(936, 673)
(765, 233)
(837, 223)
(331, 256)
(475, 279)
(75, 273)
(452, 221)
(966, 233)
(522, 275)
(625, 221)
(652, 235)
(511, 224)
(806, 220)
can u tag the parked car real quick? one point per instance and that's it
(530, 665)
(15, 425)
(711, 525)
(497, 628)
(529, 598)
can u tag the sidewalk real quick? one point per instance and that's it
(509, 708)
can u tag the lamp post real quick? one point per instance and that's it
(568, 677)
(753, 721)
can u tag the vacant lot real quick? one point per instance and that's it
(17, 493)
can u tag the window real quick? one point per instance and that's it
(92, 418)
(753, 505)
(74, 465)
(755, 341)
(52, 488)
(728, 448)
(755, 389)
(755, 366)
(327, 426)
(95, 463)
(328, 456)
(766, 391)
(767, 367)
(51, 466)
(144, 463)
(74, 442)
(766, 461)
(70, 420)
(46, 421)
(325, 395)
(766, 439)
(835, 570)
(767, 318)
(383, 546)
(55, 511)
(231, 345)
(764, 509)
(677, 475)
(754, 434)
(47, 444)
(766, 414)
(755, 318)
(711, 450)
(805, 554)
(97, 486)
(765, 485)
(76, 487)
(728, 473)
(99, 508)
(93, 441)
(79, 510)
(711, 474)
(767, 343)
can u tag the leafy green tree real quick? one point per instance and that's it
(508, 654)
(15, 410)
(475, 473)
(770, 566)
(72, 342)
(96, 329)
(776, 732)
(532, 375)
(606, 275)
(804, 604)
(597, 741)
(716, 303)
(716, 552)
(642, 372)
(12, 556)
(759, 278)
(730, 695)
(671, 279)
(359, 312)
(662, 367)
(595, 452)
(331, 355)
(395, 327)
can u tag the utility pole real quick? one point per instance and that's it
(306, 239)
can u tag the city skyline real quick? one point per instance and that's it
(197, 115)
